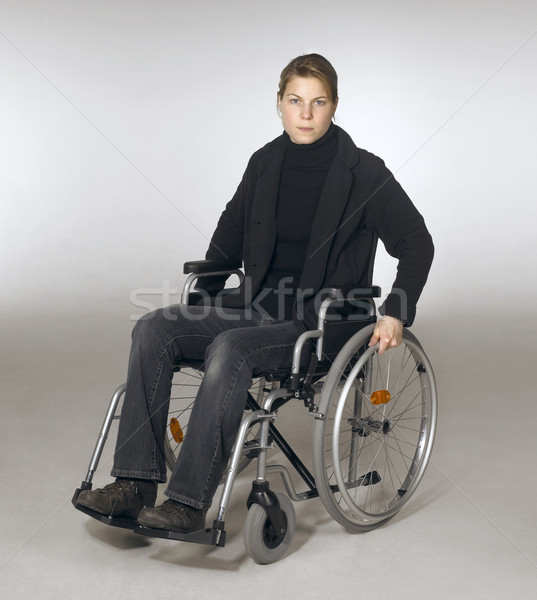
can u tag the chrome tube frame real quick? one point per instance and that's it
(265, 416)
(103, 435)
(264, 432)
(299, 345)
(232, 468)
(187, 286)
(288, 483)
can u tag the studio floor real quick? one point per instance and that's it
(469, 532)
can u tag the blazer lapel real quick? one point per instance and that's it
(263, 225)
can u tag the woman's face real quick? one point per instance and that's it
(306, 110)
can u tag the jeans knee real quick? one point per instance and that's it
(151, 330)
(144, 325)
(224, 354)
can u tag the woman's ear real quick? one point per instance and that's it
(335, 105)
(279, 105)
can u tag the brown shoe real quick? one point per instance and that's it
(119, 499)
(173, 516)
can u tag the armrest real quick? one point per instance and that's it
(210, 266)
(210, 276)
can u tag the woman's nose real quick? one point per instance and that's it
(306, 111)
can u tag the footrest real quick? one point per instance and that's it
(216, 536)
(122, 522)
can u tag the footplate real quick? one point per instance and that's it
(216, 536)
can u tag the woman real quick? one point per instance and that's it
(305, 217)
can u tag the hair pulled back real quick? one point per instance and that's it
(310, 65)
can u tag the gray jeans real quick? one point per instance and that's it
(232, 345)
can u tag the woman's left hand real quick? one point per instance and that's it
(389, 332)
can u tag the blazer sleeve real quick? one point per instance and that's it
(228, 237)
(402, 229)
(227, 240)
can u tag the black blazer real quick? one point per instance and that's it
(360, 202)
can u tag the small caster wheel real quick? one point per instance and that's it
(259, 536)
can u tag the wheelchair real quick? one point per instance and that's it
(373, 429)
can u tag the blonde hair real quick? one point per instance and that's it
(310, 65)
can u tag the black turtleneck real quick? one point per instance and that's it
(302, 178)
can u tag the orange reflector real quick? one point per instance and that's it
(176, 430)
(380, 397)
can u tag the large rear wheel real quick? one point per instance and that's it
(374, 430)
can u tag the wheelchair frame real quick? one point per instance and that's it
(276, 522)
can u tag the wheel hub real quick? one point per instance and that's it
(364, 427)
